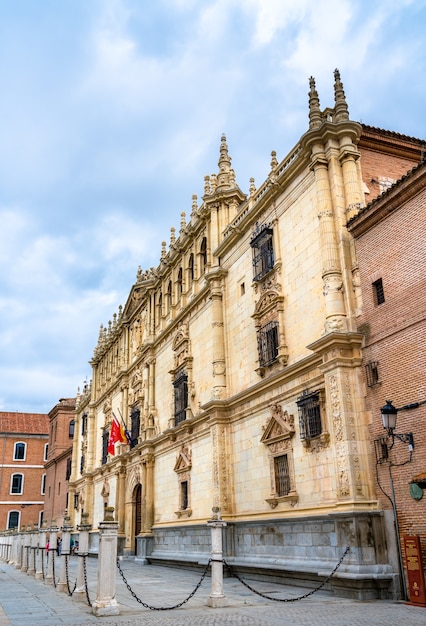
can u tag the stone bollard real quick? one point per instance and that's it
(217, 598)
(105, 603)
(33, 547)
(19, 551)
(65, 553)
(53, 535)
(83, 549)
(26, 551)
(39, 573)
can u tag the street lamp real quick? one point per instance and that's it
(389, 415)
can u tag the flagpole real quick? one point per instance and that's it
(126, 432)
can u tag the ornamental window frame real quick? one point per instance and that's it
(180, 394)
(277, 437)
(183, 468)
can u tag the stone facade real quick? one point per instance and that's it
(236, 367)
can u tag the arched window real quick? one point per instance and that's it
(71, 429)
(203, 255)
(17, 484)
(13, 519)
(169, 296)
(20, 451)
(179, 282)
(191, 269)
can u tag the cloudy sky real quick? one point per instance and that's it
(111, 113)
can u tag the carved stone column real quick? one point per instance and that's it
(331, 270)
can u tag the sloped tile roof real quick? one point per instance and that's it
(25, 423)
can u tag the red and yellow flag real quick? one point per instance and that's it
(116, 435)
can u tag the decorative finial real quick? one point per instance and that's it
(341, 106)
(207, 187)
(314, 105)
(172, 235)
(224, 175)
(252, 188)
(182, 220)
(163, 249)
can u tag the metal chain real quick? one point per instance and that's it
(306, 595)
(67, 577)
(85, 578)
(163, 608)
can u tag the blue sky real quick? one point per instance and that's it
(111, 113)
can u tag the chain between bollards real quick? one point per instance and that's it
(306, 595)
(163, 608)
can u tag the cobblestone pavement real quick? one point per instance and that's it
(25, 601)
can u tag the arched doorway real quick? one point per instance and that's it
(137, 514)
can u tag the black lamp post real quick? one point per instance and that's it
(389, 415)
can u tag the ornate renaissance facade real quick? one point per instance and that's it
(235, 365)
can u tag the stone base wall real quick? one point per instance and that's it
(300, 552)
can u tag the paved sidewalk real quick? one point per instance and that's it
(25, 601)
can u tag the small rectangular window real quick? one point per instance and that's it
(282, 475)
(372, 373)
(378, 292)
(184, 494)
(43, 484)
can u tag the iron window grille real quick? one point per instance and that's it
(372, 373)
(309, 407)
(135, 418)
(180, 385)
(267, 343)
(105, 437)
(82, 464)
(282, 475)
(378, 291)
(263, 251)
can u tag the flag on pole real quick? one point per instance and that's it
(124, 429)
(116, 435)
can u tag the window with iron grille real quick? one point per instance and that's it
(282, 475)
(105, 437)
(181, 396)
(372, 373)
(135, 418)
(378, 292)
(83, 423)
(82, 464)
(263, 251)
(309, 415)
(267, 343)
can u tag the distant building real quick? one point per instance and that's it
(58, 465)
(236, 366)
(391, 248)
(23, 452)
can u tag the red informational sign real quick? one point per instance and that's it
(415, 571)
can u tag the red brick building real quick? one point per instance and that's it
(23, 452)
(391, 248)
(58, 465)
